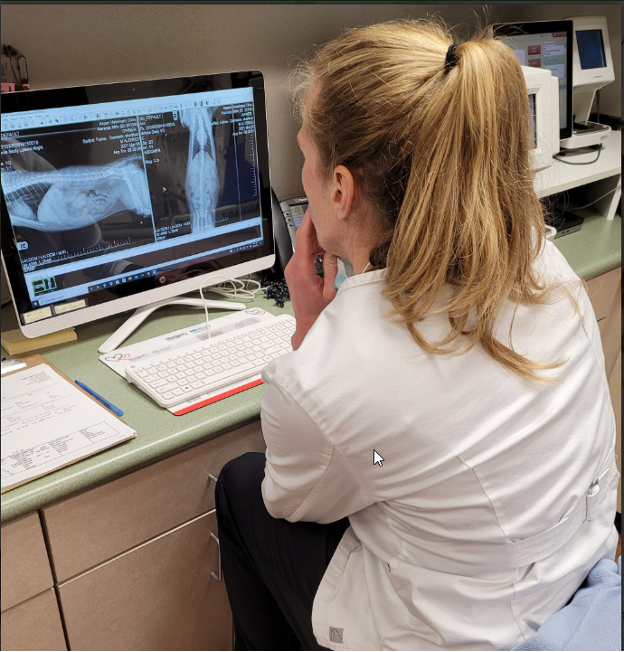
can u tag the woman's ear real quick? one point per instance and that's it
(343, 193)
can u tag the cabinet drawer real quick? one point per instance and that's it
(602, 290)
(34, 625)
(159, 596)
(97, 525)
(25, 566)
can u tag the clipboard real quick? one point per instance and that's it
(33, 361)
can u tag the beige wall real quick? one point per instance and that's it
(74, 45)
(83, 44)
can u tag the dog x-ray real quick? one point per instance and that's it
(92, 188)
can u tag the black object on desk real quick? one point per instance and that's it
(566, 223)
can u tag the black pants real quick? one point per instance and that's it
(272, 568)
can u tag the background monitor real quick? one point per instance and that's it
(545, 44)
(592, 62)
(115, 196)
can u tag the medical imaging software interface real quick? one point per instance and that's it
(549, 51)
(106, 194)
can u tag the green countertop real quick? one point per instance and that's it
(596, 248)
(159, 433)
(593, 250)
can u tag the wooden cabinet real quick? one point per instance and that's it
(99, 524)
(30, 612)
(601, 290)
(33, 625)
(159, 596)
(25, 565)
(134, 558)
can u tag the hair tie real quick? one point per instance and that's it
(451, 59)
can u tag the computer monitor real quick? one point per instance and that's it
(545, 44)
(592, 62)
(115, 196)
(543, 96)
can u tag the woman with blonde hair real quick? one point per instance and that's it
(440, 470)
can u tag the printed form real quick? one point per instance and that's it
(48, 423)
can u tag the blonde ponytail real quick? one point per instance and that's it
(443, 154)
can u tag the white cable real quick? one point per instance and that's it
(578, 208)
(240, 290)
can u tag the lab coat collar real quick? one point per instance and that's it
(365, 278)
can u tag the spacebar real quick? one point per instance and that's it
(240, 373)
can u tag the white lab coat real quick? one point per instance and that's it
(478, 525)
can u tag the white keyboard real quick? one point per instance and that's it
(191, 371)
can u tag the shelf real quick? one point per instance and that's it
(561, 176)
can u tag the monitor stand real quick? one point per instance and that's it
(140, 315)
(586, 134)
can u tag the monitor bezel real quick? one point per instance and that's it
(118, 299)
(540, 27)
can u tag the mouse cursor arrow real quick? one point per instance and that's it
(377, 458)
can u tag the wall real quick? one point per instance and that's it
(73, 45)
(83, 44)
(77, 44)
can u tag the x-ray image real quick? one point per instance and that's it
(201, 169)
(78, 191)
(202, 180)
(77, 196)
(71, 196)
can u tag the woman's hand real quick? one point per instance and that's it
(309, 292)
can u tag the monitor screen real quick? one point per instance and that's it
(116, 189)
(591, 49)
(545, 44)
(532, 112)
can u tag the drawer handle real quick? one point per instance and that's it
(218, 577)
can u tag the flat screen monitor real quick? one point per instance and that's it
(118, 195)
(545, 44)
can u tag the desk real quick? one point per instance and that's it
(597, 178)
(159, 433)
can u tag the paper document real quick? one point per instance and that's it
(119, 359)
(47, 423)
